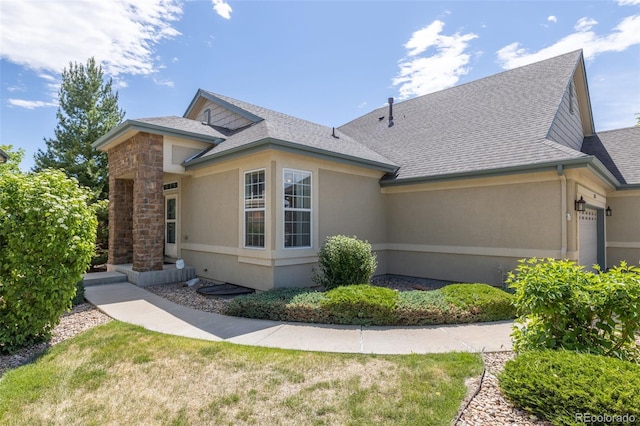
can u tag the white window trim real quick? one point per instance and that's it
(285, 209)
(245, 210)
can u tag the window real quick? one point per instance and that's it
(297, 208)
(254, 208)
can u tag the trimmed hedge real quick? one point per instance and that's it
(564, 387)
(485, 303)
(361, 305)
(373, 305)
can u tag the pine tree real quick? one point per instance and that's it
(88, 109)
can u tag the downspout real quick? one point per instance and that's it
(563, 207)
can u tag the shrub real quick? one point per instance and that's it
(269, 305)
(426, 308)
(564, 386)
(345, 261)
(482, 301)
(306, 307)
(47, 235)
(361, 304)
(563, 306)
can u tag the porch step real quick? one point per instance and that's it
(99, 278)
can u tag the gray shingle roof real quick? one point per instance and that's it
(496, 122)
(619, 151)
(304, 134)
(182, 124)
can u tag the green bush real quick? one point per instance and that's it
(345, 261)
(562, 306)
(361, 304)
(371, 305)
(47, 235)
(482, 301)
(564, 387)
(427, 308)
(269, 305)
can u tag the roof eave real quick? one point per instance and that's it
(590, 162)
(281, 145)
(130, 127)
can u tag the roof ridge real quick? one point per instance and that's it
(562, 148)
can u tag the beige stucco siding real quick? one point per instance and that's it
(475, 230)
(623, 228)
(504, 216)
(210, 209)
(352, 205)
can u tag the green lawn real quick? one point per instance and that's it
(122, 374)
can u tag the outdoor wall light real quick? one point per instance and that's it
(581, 204)
(608, 211)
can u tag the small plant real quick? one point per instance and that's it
(564, 387)
(361, 304)
(484, 302)
(562, 306)
(345, 261)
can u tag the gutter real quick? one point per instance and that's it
(591, 162)
(565, 216)
(137, 126)
(281, 145)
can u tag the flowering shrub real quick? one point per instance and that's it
(47, 234)
(561, 306)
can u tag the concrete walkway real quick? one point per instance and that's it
(129, 303)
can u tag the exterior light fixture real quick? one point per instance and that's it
(581, 204)
(608, 211)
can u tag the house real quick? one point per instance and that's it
(455, 185)
(4, 157)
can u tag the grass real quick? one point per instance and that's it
(122, 374)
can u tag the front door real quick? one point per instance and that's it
(170, 225)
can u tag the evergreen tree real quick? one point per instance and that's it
(88, 109)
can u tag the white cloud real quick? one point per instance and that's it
(628, 2)
(422, 73)
(161, 82)
(623, 36)
(585, 24)
(552, 19)
(22, 103)
(120, 34)
(222, 8)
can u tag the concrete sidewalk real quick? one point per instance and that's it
(129, 303)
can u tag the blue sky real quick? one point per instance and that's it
(324, 61)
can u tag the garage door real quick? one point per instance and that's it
(588, 237)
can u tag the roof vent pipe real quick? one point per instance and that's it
(390, 112)
(333, 133)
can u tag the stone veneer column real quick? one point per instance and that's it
(136, 203)
(148, 205)
(121, 221)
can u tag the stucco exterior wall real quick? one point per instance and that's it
(352, 205)
(475, 232)
(623, 228)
